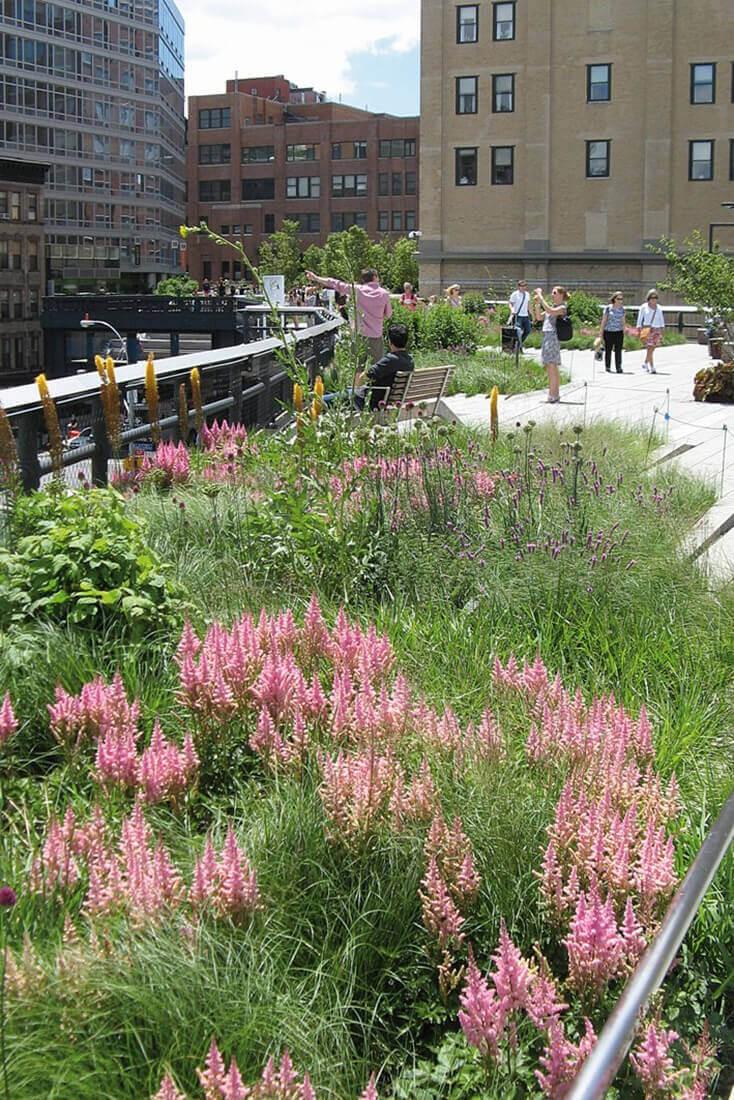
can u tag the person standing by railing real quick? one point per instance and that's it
(651, 328)
(373, 306)
(612, 331)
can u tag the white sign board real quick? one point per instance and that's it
(274, 286)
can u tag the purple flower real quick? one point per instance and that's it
(8, 897)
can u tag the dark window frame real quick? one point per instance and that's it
(253, 182)
(701, 141)
(702, 84)
(467, 95)
(496, 21)
(607, 159)
(467, 41)
(591, 84)
(209, 113)
(459, 152)
(503, 110)
(731, 159)
(494, 177)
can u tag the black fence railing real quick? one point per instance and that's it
(246, 382)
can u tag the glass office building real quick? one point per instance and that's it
(94, 89)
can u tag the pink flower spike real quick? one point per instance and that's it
(482, 1016)
(652, 1063)
(234, 1087)
(168, 1090)
(212, 1077)
(8, 721)
(370, 1093)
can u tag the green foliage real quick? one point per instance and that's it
(700, 277)
(441, 326)
(313, 260)
(79, 558)
(583, 308)
(473, 302)
(280, 254)
(403, 267)
(347, 254)
(177, 286)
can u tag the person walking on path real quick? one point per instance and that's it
(520, 310)
(612, 331)
(651, 327)
(550, 352)
(373, 306)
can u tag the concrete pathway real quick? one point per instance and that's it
(699, 437)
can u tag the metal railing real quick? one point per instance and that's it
(247, 381)
(600, 1068)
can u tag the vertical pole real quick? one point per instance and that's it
(103, 450)
(174, 343)
(667, 415)
(723, 457)
(235, 389)
(652, 430)
(586, 399)
(27, 445)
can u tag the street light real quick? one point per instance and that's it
(87, 323)
(131, 395)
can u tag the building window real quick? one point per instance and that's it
(503, 22)
(5, 303)
(215, 118)
(17, 311)
(301, 152)
(342, 221)
(206, 269)
(466, 95)
(15, 256)
(303, 187)
(383, 183)
(411, 182)
(32, 254)
(32, 208)
(700, 160)
(466, 167)
(703, 83)
(307, 223)
(597, 159)
(731, 159)
(215, 191)
(258, 189)
(409, 221)
(503, 93)
(397, 147)
(15, 206)
(503, 164)
(215, 154)
(397, 183)
(598, 83)
(247, 229)
(359, 150)
(258, 154)
(269, 223)
(224, 231)
(383, 221)
(336, 150)
(343, 186)
(467, 23)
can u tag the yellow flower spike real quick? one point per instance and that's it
(298, 397)
(183, 231)
(183, 413)
(151, 397)
(51, 417)
(318, 386)
(42, 387)
(110, 368)
(493, 417)
(110, 398)
(100, 365)
(8, 454)
(314, 410)
(196, 398)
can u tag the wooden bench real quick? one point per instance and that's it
(419, 387)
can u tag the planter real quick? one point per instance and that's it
(715, 347)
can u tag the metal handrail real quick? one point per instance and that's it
(600, 1068)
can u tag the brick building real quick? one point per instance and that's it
(265, 150)
(22, 267)
(559, 140)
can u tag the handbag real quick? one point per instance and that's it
(645, 333)
(564, 327)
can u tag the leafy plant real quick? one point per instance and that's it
(177, 286)
(280, 253)
(473, 302)
(80, 558)
(584, 308)
(702, 277)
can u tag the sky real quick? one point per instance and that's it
(365, 51)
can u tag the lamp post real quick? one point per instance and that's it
(131, 395)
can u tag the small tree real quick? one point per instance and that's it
(404, 267)
(313, 259)
(702, 277)
(177, 286)
(347, 254)
(280, 254)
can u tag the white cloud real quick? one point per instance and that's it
(309, 41)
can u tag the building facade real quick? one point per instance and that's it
(560, 140)
(21, 270)
(95, 89)
(264, 151)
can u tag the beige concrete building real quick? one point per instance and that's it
(559, 138)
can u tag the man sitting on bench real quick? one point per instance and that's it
(373, 385)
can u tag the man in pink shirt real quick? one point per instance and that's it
(373, 307)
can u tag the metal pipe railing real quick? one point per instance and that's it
(600, 1068)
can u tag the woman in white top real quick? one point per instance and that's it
(550, 351)
(453, 297)
(651, 326)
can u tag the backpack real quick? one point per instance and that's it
(564, 327)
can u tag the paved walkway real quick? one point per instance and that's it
(699, 437)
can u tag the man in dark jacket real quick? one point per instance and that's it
(373, 385)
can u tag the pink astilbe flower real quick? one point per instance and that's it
(482, 1015)
(57, 866)
(98, 709)
(164, 770)
(441, 917)
(512, 976)
(8, 721)
(234, 1087)
(169, 465)
(116, 760)
(653, 1064)
(228, 885)
(562, 1059)
(370, 1093)
(356, 791)
(595, 947)
(168, 1090)
(212, 1077)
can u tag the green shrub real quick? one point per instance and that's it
(440, 326)
(79, 558)
(583, 308)
(473, 302)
